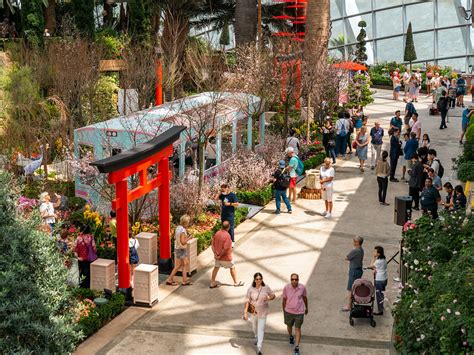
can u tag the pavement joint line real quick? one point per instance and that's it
(269, 336)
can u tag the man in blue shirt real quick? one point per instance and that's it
(466, 116)
(376, 136)
(229, 202)
(409, 111)
(409, 150)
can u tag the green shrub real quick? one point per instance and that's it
(314, 161)
(36, 304)
(106, 253)
(466, 171)
(259, 197)
(111, 45)
(76, 203)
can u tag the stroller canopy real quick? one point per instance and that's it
(363, 291)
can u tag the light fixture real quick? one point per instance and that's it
(465, 13)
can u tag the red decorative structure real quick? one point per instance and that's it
(137, 161)
(159, 83)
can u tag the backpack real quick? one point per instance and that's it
(284, 179)
(133, 254)
(441, 168)
(300, 168)
(343, 131)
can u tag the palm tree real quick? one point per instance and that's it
(317, 29)
(245, 21)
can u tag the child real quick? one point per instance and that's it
(426, 141)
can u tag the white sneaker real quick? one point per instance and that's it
(328, 215)
(324, 213)
(233, 243)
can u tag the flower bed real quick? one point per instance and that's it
(435, 313)
(91, 317)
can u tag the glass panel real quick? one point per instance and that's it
(337, 30)
(456, 39)
(421, 16)
(424, 45)
(389, 22)
(357, 6)
(448, 14)
(380, 4)
(370, 52)
(336, 8)
(389, 50)
(458, 64)
(337, 53)
(353, 29)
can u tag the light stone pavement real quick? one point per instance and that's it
(199, 320)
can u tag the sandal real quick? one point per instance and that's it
(172, 283)
(239, 284)
(213, 286)
(189, 283)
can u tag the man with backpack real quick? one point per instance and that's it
(409, 111)
(342, 129)
(442, 106)
(281, 183)
(295, 167)
(434, 163)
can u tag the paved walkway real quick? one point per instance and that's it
(199, 320)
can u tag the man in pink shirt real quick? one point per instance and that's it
(295, 306)
(222, 247)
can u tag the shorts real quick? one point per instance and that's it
(406, 119)
(226, 264)
(397, 89)
(461, 91)
(408, 164)
(181, 253)
(293, 319)
(293, 182)
(464, 127)
(354, 274)
(326, 193)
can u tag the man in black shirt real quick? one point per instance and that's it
(229, 202)
(430, 198)
(416, 180)
(442, 106)
(395, 149)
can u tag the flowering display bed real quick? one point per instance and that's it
(435, 314)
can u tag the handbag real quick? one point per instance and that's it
(251, 309)
(354, 145)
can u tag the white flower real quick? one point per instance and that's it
(428, 248)
(443, 318)
(422, 336)
(455, 301)
(418, 339)
(412, 321)
(457, 313)
(463, 330)
(429, 262)
(464, 241)
(416, 262)
(455, 252)
(448, 310)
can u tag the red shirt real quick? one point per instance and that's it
(81, 246)
(222, 246)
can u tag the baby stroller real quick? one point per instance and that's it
(433, 110)
(362, 301)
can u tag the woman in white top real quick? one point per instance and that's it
(181, 260)
(47, 209)
(379, 264)
(256, 304)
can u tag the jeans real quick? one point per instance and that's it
(341, 145)
(258, 327)
(414, 192)
(281, 194)
(451, 102)
(380, 293)
(393, 167)
(349, 145)
(383, 184)
(231, 229)
(443, 118)
(330, 153)
(375, 153)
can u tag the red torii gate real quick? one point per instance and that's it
(137, 161)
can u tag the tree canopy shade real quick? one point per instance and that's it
(33, 21)
(36, 315)
(83, 12)
(410, 53)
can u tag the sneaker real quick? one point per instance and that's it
(372, 167)
(290, 211)
(277, 212)
(328, 215)
(460, 142)
(233, 243)
(394, 180)
(324, 213)
(292, 340)
(297, 350)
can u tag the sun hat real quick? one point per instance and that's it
(281, 163)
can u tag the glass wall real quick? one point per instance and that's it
(440, 32)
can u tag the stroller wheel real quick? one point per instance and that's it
(372, 323)
(351, 321)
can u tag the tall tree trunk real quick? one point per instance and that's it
(246, 17)
(108, 16)
(317, 30)
(50, 16)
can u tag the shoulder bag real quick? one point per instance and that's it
(251, 309)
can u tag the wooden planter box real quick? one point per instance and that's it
(103, 275)
(147, 251)
(145, 284)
